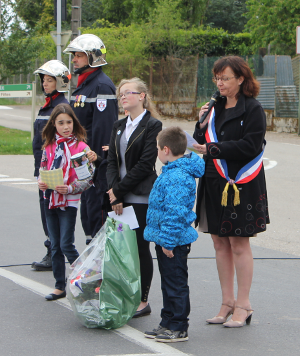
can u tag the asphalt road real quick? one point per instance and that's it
(31, 326)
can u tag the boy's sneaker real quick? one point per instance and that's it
(172, 336)
(152, 334)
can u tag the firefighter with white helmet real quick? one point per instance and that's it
(55, 80)
(95, 104)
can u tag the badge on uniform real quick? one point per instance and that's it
(101, 104)
(83, 100)
(76, 101)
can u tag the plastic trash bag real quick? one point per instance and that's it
(104, 286)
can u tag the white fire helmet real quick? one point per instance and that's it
(56, 69)
(92, 46)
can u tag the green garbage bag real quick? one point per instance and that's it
(104, 286)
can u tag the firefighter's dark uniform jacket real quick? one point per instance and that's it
(100, 109)
(39, 124)
(98, 115)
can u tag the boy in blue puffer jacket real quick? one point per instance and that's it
(169, 218)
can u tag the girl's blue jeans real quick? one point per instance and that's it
(61, 228)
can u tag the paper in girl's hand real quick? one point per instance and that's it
(52, 178)
(80, 163)
(128, 217)
(190, 141)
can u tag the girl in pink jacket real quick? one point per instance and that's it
(64, 137)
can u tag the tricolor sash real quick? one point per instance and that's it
(244, 175)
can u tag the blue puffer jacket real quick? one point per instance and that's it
(170, 213)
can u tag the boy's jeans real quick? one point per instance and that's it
(61, 227)
(175, 289)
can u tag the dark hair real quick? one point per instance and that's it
(49, 131)
(174, 138)
(250, 86)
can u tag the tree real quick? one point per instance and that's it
(117, 11)
(140, 10)
(193, 11)
(162, 30)
(7, 17)
(91, 11)
(29, 11)
(226, 14)
(274, 22)
(16, 54)
(125, 49)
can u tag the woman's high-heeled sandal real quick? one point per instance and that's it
(237, 324)
(221, 319)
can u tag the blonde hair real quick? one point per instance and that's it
(142, 88)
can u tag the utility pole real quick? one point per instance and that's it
(76, 18)
(75, 24)
(58, 23)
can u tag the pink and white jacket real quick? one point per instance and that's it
(75, 186)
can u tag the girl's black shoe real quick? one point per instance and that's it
(53, 296)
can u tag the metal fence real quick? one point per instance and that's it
(174, 79)
(189, 80)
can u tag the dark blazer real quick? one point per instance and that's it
(241, 139)
(140, 158)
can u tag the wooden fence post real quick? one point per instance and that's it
(161, 78)
(130, 64)
(196, 80)
(172, 80)
(151, 77)
(205, 74)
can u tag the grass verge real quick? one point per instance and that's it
(14, 142)
(15, 101)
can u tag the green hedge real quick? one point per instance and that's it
(139, 41)
(212, 42)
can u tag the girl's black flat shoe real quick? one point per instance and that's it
(53, 296)
(143, 312)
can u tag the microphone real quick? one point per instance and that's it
(212, 102)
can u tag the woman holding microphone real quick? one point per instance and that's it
(232, 199)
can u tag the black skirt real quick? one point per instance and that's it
(213, 207)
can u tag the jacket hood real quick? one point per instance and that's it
(190, 163)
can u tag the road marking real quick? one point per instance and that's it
(271, 164)
(156, 354)
(5, 179)
(5, 107)
(127, 332)
(13, 180)
(27, 183)
(142, 355)
(21, 117)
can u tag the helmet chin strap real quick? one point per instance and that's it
(80, 70)
(50, 94)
